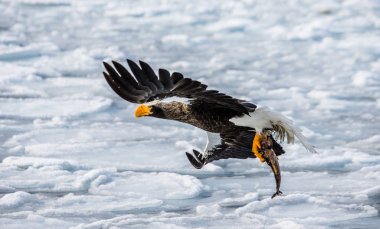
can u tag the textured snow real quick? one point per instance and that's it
(73, 156)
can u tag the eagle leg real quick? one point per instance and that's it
(256, 146)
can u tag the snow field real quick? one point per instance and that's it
(73, 156)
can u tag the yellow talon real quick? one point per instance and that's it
(256, 146)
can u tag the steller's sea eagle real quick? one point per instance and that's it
(235, 128)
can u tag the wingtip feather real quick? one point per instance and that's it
(105, 74)
(114, 62)
(129, 61)
(143, 63)
(106, 65)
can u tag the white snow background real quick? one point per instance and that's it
(73, 156)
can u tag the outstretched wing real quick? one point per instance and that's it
(234, 144)
(143, 86)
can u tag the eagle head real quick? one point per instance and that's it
(164, 110)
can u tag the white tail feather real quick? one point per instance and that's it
(284, 126)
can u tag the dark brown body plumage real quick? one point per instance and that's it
(211, 119)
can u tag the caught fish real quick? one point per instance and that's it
(272, 161)
(270, 157)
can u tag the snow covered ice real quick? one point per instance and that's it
(73, 156)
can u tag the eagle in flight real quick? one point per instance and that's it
(235, 128)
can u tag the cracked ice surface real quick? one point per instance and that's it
(73, 156)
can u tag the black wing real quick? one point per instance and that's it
(236, 144)
(143, 86)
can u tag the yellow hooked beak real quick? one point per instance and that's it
(142, 110)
